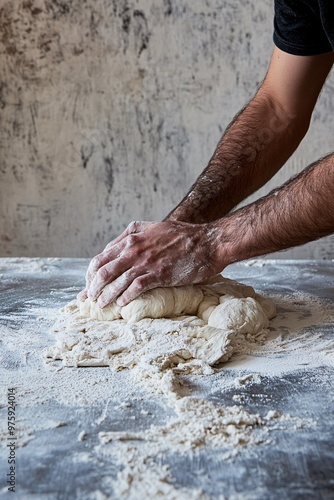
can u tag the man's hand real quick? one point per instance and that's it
(149, 255)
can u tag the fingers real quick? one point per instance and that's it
(95, 264)
(112, 250)
(114, 277)
(105, 275)
(101, 260)
(138, 286)
(82, 295)
(113, 290)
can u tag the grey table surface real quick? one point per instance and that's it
(298, 465)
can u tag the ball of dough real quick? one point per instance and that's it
(240, 315)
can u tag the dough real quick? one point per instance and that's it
(239, 315)
(181, 329)
(199, 300)
(163, 303)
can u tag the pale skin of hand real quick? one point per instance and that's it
(201, 237)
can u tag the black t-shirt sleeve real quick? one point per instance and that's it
(298, 28)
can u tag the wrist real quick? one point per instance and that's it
(221, 242)
(232, 237)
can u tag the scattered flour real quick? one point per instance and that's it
(182, 329)
(192, 423)
(29, 265)
(158, 351)
(198, 423)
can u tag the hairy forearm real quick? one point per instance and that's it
(174, 253)
(300, 211)
(254, 147)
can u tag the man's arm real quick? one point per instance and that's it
(177, 253)
(260, 139)
(196, 240)
(300, 211)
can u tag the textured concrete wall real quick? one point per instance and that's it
(109, 110)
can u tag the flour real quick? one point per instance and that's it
(225, 317)
(143, 477)
(29, 265)
(95, 402)
(182, 329)
(159, 350)
(198, 424)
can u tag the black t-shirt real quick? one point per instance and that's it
(304, 27)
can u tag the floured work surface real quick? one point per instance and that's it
(259, 426)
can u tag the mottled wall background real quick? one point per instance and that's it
(110, 109)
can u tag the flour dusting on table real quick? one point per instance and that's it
(119, 417)
(160, 353)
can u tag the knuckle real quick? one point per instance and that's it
(95, 263)
(103, 274)
(131, 240)
(132, 227)
(140, 283)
